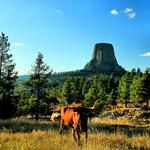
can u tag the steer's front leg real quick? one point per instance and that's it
(74, 134)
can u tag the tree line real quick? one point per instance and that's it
(37, 95)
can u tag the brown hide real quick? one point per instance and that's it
(76, 117)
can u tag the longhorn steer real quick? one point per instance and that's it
(76, 117)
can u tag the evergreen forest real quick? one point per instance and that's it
(38, 94)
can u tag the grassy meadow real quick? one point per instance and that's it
(43, 135)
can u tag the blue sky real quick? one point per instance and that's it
(65, 31)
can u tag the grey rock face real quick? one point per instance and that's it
(103, 59)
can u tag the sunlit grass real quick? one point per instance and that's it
(50, 140)
(118, 121)
(31, 135)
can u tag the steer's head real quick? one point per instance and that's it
(84, 111)
(55, 116)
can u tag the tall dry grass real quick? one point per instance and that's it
(32, 135)
(50, 140)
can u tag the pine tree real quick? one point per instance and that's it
(144, 89)
(86, 86)
(134, 89)
(66, 92)
(38, 84)
(112, 98)
(72, 90)
(8, 77)
(97, 91)
(124, 87)
(23, 94)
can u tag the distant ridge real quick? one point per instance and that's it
(23, 77)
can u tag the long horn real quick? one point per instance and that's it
(75, 105)
(57, 109)
(94, 105)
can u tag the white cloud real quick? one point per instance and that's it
(131, 15)
(59, 12)
(129, 12)
(18, 44)
(114, 12)
(145, 54)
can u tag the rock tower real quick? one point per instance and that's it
(103, 59)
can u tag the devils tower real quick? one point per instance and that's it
(103, 59)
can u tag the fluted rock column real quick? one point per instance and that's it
(103, 59)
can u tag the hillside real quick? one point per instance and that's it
(23, 77)
(123, 115)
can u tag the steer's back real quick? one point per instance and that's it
(66, 115)
(70, 117)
